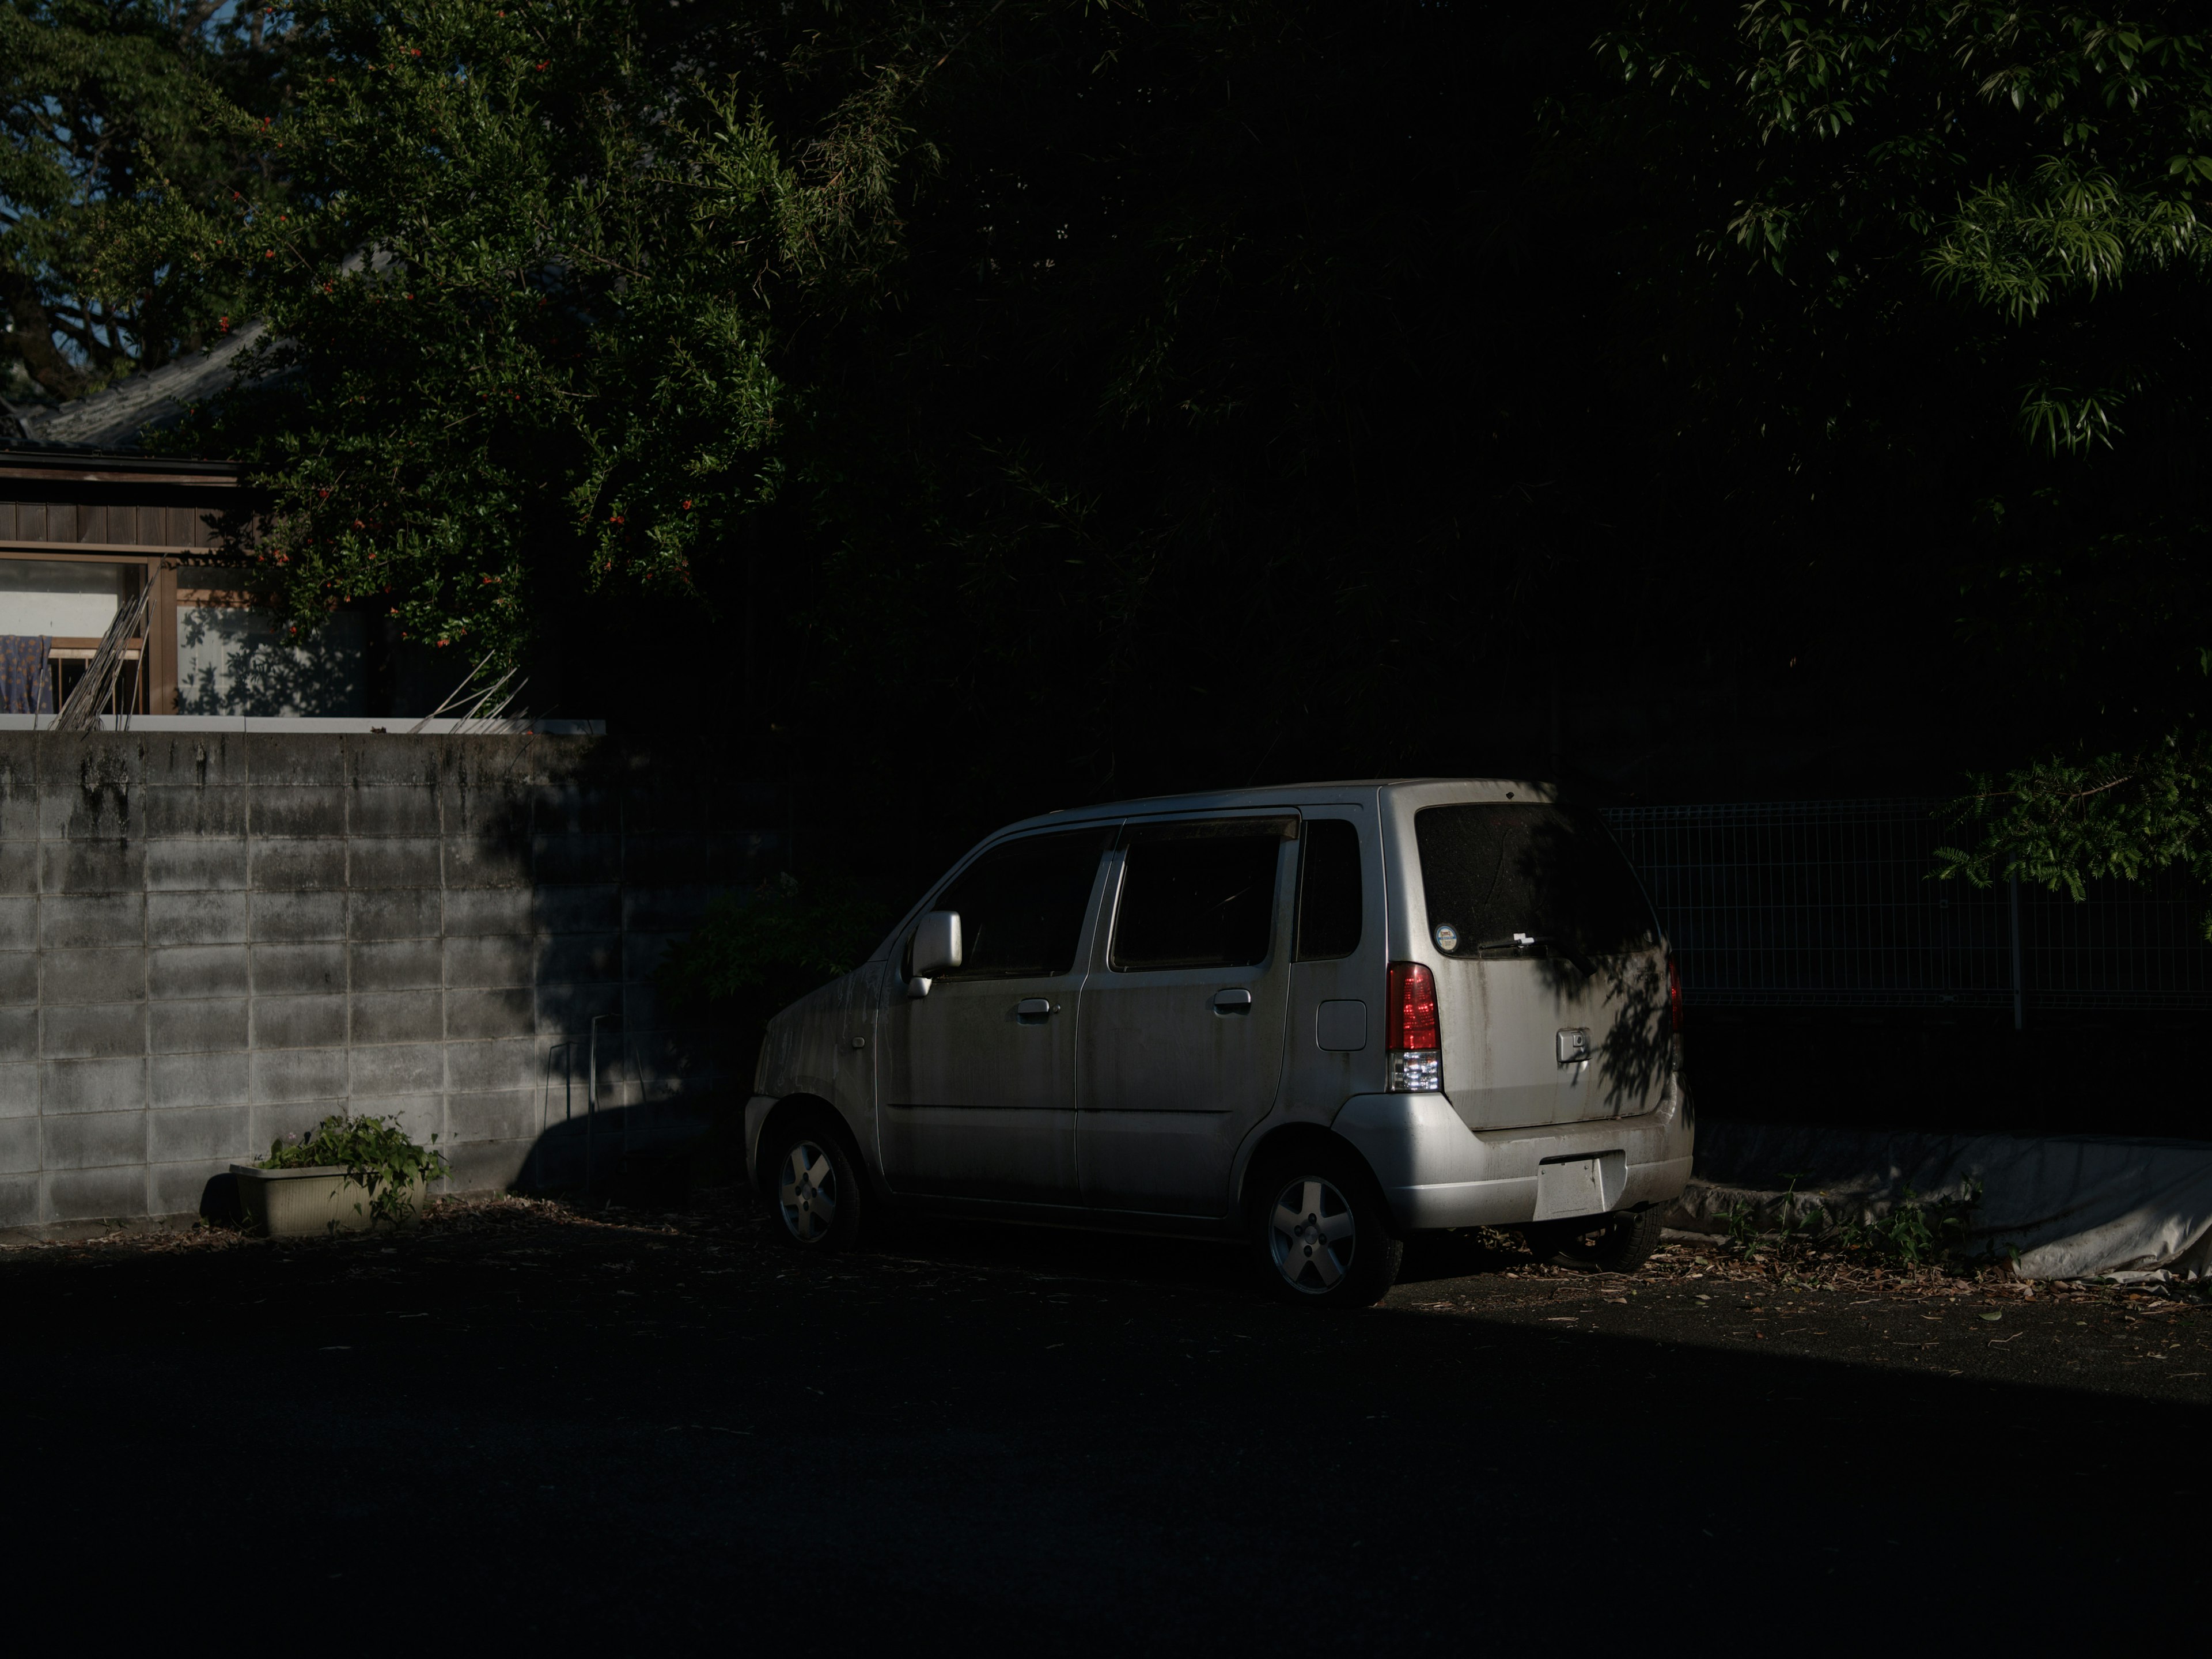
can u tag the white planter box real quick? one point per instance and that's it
(302, 1203)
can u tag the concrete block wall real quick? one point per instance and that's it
(208, 941)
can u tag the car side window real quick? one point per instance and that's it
(1331, 899)
(1022, 905)
(1199, 895)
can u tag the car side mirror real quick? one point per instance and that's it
(936, 949)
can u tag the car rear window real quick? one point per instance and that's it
(1493, 869)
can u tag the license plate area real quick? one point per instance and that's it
(1570, 1186)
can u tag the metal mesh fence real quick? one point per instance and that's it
(1810, 903)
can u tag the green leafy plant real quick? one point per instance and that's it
(1797, 1220)
(1742, 1228)
(1917, 1232)
(2062, 824)
(377, 1155)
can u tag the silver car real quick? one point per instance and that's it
(1320, 1017)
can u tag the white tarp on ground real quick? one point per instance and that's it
(2075, 1206)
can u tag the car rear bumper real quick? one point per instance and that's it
(1436, 1172)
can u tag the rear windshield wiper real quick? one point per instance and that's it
(1553, 946)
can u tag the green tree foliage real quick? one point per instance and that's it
(2065, 824)
(102, 109)
(1967, 279)
(1014, 401)
(1028, 365)
(2029, 160)
(516, 304)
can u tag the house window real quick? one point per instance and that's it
(53, 613)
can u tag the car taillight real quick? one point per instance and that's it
(1674, 992)
(1415, 1065)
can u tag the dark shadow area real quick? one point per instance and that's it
(220, 1203)
(1214, 1264)
(1460, 1254)
(2109, 1073)
(648, 1147)
(654, 1178)
(596, 1433)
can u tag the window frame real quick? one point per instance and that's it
(1585, 821)
(1106, 831)
(1299, 896)
(140, 684)
(1290, 824)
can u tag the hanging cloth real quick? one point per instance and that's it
(27, 685)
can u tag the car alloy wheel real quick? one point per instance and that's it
(1311, 1234)
(807, 1193)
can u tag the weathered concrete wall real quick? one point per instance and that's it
(209, 940)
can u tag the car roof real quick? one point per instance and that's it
(1278, 795)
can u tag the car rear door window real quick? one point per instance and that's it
(1199, 895)
(1022, 905)
(1493, 869)
(1331, 900)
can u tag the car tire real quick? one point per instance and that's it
(1615, 1244)
(816, 1190)
(1628, 1243)
(1320, 1232)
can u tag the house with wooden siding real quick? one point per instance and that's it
(88, 520)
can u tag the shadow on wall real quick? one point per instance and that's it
(667, 1118)
(233, 660)
(271, 927)
(653, 1155)
(650, 1155)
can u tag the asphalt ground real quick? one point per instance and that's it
(533, 1425)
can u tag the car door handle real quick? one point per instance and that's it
(1028, 1007)
(1236, 1001)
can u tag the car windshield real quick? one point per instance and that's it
(1494, 870)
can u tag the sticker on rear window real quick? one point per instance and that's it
(1447, 937)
